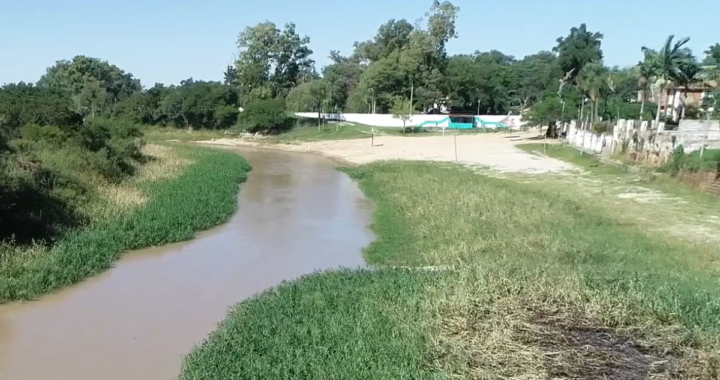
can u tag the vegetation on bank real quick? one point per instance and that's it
(181, 191)
(660, 179)
(544, 285)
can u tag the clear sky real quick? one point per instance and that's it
(170, 40)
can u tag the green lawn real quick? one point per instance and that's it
(201, 196)
(544, 286)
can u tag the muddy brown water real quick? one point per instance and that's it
(297, 214)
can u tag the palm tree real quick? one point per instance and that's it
(690, 73)
(592, 81)
(645, 76)
(710, 76)
(667, 63)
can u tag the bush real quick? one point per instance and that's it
(709, 162)
(601, 127)
(226, 116)
(266, 117)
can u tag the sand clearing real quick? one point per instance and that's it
(496, 151)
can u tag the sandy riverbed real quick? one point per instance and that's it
(495, 151)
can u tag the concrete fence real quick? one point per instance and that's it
(646, 141)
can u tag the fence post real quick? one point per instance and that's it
(455, 140)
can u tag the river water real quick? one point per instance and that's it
(297, 214)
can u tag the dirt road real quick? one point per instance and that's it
(495, 151)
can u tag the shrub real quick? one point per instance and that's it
(266, 117)
(710, 161)
(601, 127)
(226, 116)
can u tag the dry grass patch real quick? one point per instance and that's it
(501, 325)
(164, 162)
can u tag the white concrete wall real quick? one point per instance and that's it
(692, 134)
(587, 140)
(385, 120)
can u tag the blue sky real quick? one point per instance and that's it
(167, 41)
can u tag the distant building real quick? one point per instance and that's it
(672, 102)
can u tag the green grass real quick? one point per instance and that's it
(204, 195)
(544, 286)
(694, 202)
(323, 327)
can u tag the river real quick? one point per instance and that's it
(297, 214)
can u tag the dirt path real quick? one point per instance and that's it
(495, 151)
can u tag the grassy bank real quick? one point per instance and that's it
(544, 286)
(186, 189)
(644, 196)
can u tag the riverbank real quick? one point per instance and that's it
(183, 190)
(544, 286)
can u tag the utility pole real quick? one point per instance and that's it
(372, 106)
(478, 113)
(707, 126)
(412, 92)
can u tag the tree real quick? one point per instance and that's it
(90, 76)
(401, 61)
(273, 59)
(592, 82)
(265, 117)
(230, 76)
(666, 64)
(578, 49)
(391, 36)
(319, 92)
(402, 109)
(344, 75)
(534, 76)
(548, 112)
(91, 98)
(22, 104)
(712, 55)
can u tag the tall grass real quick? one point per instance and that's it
(203, 196)
(544, 286)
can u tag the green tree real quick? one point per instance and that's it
(592, 82)
(403, 110)
(91, 99)
(265, 117)
(549, 112)
(578, 49)
(274, 59)
(410, 63)
(712, 55)
(22, 104)
(666, 64)
(535, 75)
(88, 75)
(391, 36)
(344, 75)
